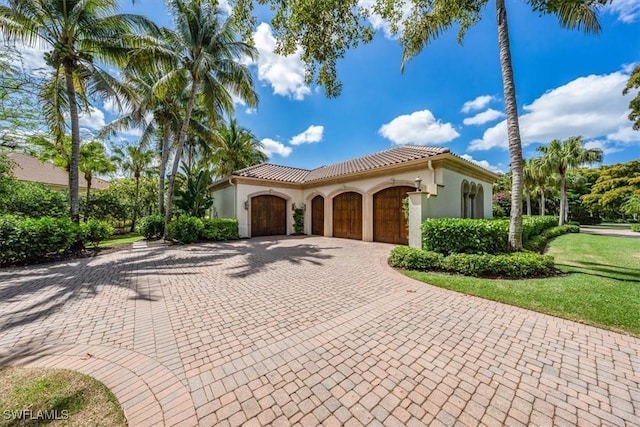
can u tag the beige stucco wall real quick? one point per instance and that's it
(367, 187)
(224, 205)
(444, 185)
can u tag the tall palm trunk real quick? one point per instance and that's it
(86, 210)
(136, 203)
(176, 158)
(513, 129)
(164, 158)
(563, 197)
(74, 163)
(528, 202)
(542, 202)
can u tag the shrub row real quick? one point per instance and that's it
(513, 265)
(151, 227)
(187, 229)
(31, 239)
(539, 242)
(635, 227)
(457, 235)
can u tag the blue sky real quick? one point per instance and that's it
(568, 83)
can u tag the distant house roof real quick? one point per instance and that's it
(28, 168)
(384, 158)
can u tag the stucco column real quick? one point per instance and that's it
(416, 200)
(367, 217)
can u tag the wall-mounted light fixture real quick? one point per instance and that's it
(302, 206)
(418, 182)
(246, 205)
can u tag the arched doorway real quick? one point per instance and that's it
(389, 222)
(347, 215)
(268, 216)
(317, 216)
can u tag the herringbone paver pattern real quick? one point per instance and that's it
(308, 331)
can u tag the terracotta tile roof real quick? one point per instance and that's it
(388, 157)
(392, 156)
(273, 172)
(28, 168)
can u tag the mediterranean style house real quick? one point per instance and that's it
(358, 199)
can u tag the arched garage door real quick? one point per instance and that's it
(347, 215)
(389, 223)
(317, 216)
(268, 216)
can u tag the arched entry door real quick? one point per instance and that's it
(347, 215)
(317, 216)
(268, 216)
(389, 223)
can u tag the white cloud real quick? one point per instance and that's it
(591, 106)
(606, 146)
(271, 147)
(378, 23)
(477, 104)
(483, 163)
(93, 119)
(420, 127)
(628, 11)
(285, 74)
(309, 136)
(484, 117)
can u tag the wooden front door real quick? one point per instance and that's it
(268, 216)
(317, 216)
(389, 223)
(347, 215)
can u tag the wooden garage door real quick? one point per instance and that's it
(317, 216)
(389, 223)
(268, 216)
(347, 216)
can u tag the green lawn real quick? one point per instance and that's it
(602, 287)
(71, 398)
(121, 240)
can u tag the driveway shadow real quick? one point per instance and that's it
(29, 294)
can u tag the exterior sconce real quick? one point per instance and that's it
(294, 207)
(246, 205)
(418, 182)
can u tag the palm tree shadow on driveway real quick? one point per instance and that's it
(30, 294)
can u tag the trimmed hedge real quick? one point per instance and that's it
(31, 239)
(185, 229)
(415, 259)
(514, 265)
(635, 227)
(151, 227)
(94, 231)
(220, 229)
(457, 235)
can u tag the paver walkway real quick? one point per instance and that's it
(309, 331)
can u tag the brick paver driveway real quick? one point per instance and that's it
(310, 331)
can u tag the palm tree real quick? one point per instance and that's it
(540, 177)
(209, 55)
(79, 32)
(238, 149)
(560, 156)
(423, 27)
(93, 160)
(136, 161)
(528, 181)
(158, 114)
